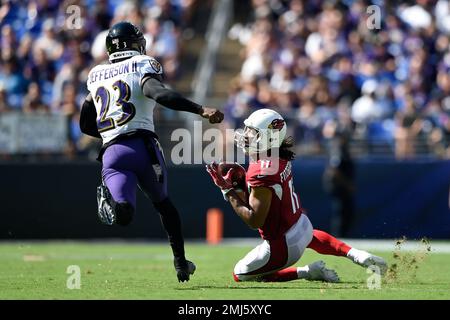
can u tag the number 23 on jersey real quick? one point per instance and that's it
(105, 96)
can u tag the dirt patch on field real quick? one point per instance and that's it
(406, 264)
(33, 258)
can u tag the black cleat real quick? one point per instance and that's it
(184, 270)
(105, 208)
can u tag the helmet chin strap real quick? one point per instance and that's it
(123, 54)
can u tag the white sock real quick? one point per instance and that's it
(353, 254)
(303, 272)
(358, 256)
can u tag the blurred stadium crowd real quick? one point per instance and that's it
(324, 67)
(45, 57)
(317, 61)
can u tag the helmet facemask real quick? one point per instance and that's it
(247, 139)
(256, 141)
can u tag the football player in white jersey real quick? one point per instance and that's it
(119, 110)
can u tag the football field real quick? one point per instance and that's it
(131, 270)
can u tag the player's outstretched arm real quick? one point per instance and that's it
(88, 118)
(154, 89)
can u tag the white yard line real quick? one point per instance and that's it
(437, 246)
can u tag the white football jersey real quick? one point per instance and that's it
(116, 90)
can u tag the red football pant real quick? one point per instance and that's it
(325, 243)
(287, 274)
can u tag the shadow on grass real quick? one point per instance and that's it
(325, 286)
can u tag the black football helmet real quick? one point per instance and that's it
(122, 38)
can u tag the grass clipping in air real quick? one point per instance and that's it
(406, 264)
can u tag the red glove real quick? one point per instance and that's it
(224, 183)
(235, 173)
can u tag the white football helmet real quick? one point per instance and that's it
(264, 129)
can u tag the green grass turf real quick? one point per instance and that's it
(145, 271)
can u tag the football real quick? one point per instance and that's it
(238, 175)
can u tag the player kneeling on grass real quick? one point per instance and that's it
(266, 200)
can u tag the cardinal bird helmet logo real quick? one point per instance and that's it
(276, 124)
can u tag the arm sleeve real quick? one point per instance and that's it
(88, 118)
(154, 89)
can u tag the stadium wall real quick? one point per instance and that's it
(58, 201)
